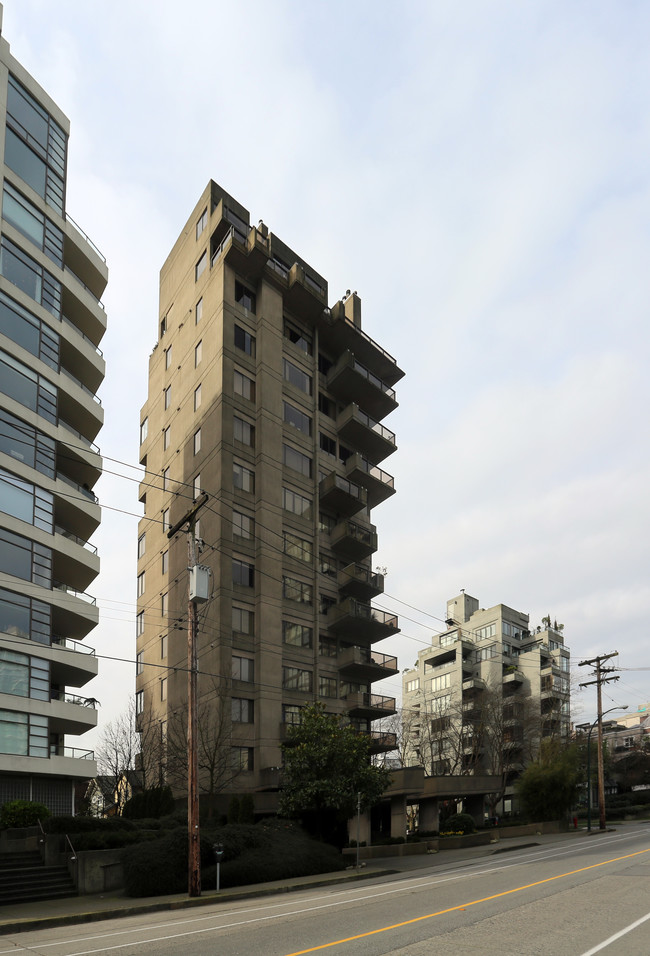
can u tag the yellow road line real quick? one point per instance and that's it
(463, 906)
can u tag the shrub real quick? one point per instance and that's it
(22, 813)
(460, 823)
(155, 802)
(111, 839)
(87, 824)
(247, 809)
(233, 810)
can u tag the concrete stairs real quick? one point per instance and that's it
(24, 878)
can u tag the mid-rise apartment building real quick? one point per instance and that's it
(270, 401)
(51, 324)
(486, 692)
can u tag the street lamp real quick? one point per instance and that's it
(600, 716)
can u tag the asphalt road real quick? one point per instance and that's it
(556, 900)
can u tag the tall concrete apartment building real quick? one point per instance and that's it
(269, 401)
(485, 693)
(51, 324)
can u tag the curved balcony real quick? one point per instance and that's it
(362, 622)
(364, 434)
(350, 381)
(362, 664)
(79, 353)
(74, 614)
(74, 561)
(353, 541)
(341, 495)
(72, 664)
(83, 258)
(75, 509)
(359, 582)
(379, 484)
(79, 406)
(369, 706)
(69, 713)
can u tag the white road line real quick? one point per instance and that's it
(612, 939)
(351, 896)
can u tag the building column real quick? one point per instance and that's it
(398, 816)
(429, 817)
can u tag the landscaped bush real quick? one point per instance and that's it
(111, 839)
(22, 813)
(252, 854)
(87, 824)
(156, 802)
(458, 823)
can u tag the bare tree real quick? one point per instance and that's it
(217, 769)
(130, 754)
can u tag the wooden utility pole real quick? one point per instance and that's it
(194, 843)
(599, 681)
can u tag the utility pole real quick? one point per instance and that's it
(196, 594)
(599, 681)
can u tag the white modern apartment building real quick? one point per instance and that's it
(51, 324)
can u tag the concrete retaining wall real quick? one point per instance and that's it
(97, 871)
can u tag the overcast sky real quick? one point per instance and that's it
(480, 173)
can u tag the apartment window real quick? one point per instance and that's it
(324, 363)
(164, 564)
(25, 617)
(163, 325)
(242, 759)
(294, 678)
(26, 387)
(296, 503)
(139, 702)
(142, 545)
(201, 222)
(412, 685)
(244, 341)
(291, 714)
(243, 573)
(295, 459)
(242, 620)
(243, 710)
(199, 268)
(441, 682)
(327, 647)
(243, 526)
(297, 635)
(165, 521)
(297, 337)
(30, 333)
(144, 429)
(140, 584)
(327, 565)
(198, 353)
(167, 397)
(326, 603)
(163, 646)
(163, 688)
(326, 406)
(165, 478)
(296, 377)
(196, 487)
(168, 357)
(243, 478)
(197, 441)
(243, 431)
(139, 664)
(327, 687)
(164, 604)
(440, 705)
(197, 398)
(326, 523)
(293, 416)
(297, 547)
(198, 311)
(25, 501)
(243, 668)
(139, 624)
(245, 296)
(295, 590)
(327, 444)
(26, 218)
(243, 386)
(166, 438)
(30, 277)
(489, 630)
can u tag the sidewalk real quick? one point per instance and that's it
(88, 909)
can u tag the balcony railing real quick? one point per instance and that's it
(83, 335)
(70, 645)
(77, 540)
(60, 695)
(59, 586)
(81, 385)
(69, 219)
(74, 752)
(70, 428)
(86, 492)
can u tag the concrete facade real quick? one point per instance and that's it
(51, 324)
(485, 694)
(269, 401)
